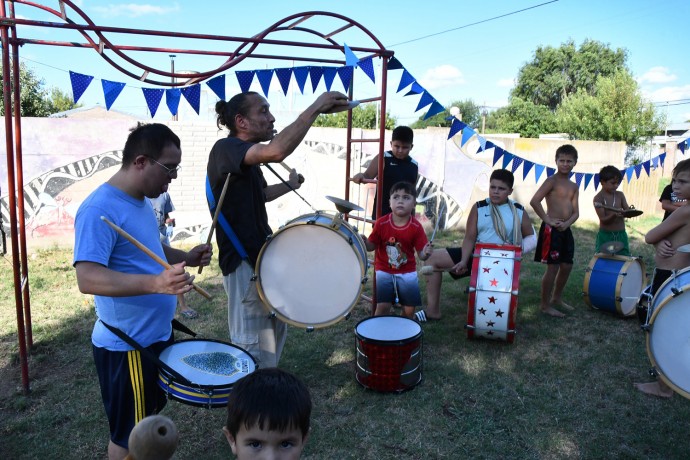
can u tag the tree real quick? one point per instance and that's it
(521, 116)
(471, 115)
(34, 100)
(556, 73)
(363, 116)
(616, 112)
(59, 101)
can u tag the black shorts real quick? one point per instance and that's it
(554, 247)
(129, 388)
(456, 255)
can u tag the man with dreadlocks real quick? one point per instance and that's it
(494, 220)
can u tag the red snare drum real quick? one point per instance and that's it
(493, 292)
(389, 353)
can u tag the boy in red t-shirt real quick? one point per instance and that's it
(395, 238)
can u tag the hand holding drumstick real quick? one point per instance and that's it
(174, 275)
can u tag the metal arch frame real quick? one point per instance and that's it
(248, 45)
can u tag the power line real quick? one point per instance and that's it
(472, 24)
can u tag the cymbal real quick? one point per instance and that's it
(683, 248)
(344, 206)
(611, 247)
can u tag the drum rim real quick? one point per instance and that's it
(652, 359)
(405, 341)
(363, 266)
(627, 260)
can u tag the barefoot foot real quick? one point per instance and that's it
(562, 305)
(552, 312)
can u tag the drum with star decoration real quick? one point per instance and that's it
(493, 292)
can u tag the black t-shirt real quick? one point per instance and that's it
(668, 194)
(244, 205)
(394, 171)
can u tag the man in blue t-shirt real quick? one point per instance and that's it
(132, 292)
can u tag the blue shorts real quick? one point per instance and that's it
(129, 388)
(407, 288)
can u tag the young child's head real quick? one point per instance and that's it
(268, 411)
(566, 149)
(500, 186)
(610, 178)
(403, 198)
(681, 179)
(401, 142)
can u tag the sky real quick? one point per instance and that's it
(455, 50)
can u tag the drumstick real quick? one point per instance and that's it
(219, 205)
(150, 253)
(300, 178)
(438, 219)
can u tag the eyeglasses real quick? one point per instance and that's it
(171, 171)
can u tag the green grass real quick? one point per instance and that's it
(562, 390)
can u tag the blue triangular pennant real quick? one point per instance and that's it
(301, 74)
(498, 153)
(638, 169)
(425, 100)
(435, 108)
(578, 178)
(328, 76)
(111, 90)
(193, 96)
(596, 181)
(526, 169)
(405, 80)
(550, 171)
(265, 76)
(629, 173)
(367, 66)
(517, 161)
(416, 89)
(217, 85)
(350, 58)
(394, 64)
(588, 179)
(646, 165)
(284, 76)
(79, 84)
(482, 144)
(455, 127)
(682, 145)
(489, 145)
(538, 170)
(244, 78)
(345, 74)
(507, 158)
(467, 133)
(153, 98)
(315, 73)
(662, 159)
(172, 99)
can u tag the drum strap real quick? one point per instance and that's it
(224, 224)
(147, 353)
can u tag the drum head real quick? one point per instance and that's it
(388, 329)
(310, 275)
(668, 341)
(208, 362)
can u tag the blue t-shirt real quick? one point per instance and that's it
(145, 318)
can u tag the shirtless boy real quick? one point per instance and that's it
(556, 246)
(667, 237)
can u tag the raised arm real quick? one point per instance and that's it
(286, 141)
